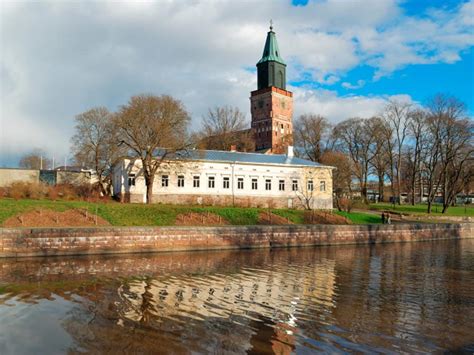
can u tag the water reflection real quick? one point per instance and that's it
(392, 298)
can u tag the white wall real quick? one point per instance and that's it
(219, 170)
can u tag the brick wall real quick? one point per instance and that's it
(75, 241)
(269, 107)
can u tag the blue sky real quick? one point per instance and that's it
(345, 58)
(419, 81)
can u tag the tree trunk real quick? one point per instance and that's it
(381, 187)
(413, 187)
(399, 187)
(445, 208)
(338, 205)
(392, 182)
(149, 188)
(364, 186)
(421, 188)
(102, 188)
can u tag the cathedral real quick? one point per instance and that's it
(271, 104)
(271, 176)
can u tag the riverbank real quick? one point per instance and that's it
(420, 210)
(20, 242)
(37, 213)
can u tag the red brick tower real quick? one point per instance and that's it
(271, 104)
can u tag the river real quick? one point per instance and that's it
(404, 297)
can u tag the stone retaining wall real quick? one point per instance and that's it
(77, 241)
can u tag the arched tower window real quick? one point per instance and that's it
(280, 79)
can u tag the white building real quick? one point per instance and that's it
(229, 178)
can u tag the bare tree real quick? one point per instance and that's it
(355, 137)
(152, 127)
(457, 149)
(311, 134)
(379, 150)
(397, 114)
(342, 175)
(431, 165)
(305, 191)
(452, 148)
(35, 160)
(416, 129)
(95, 144)
(223, 127)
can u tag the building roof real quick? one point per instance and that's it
(73, 168)
(271, 51)
(240, 157)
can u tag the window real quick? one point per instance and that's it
(310, 185)
(254, 184)
(226, 183)
(268, 184)
(131, 179)
(180, 180)
(281, 185)
(196, 181)
(164, 180)
(294, 185)
(322, 186)
(211, 183)
(240, 183)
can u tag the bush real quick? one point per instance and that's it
(67, 192)
(36, 191)
(87, 192)
(19, 190)
(360, 204)
(345, 204)
(53, 193)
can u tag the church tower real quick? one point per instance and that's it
(271, 104)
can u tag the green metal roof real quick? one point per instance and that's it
(271, 51)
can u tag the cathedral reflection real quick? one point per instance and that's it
(267, 301)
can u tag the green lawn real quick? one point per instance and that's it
(421, 208)
(122, 214)
(360, 217)
(295, 216)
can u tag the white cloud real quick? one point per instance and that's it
(338, 108)
(59, 59)
(360, 83)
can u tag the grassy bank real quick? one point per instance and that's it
(455, 211)
(118, 214)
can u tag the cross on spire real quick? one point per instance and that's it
(271, 25)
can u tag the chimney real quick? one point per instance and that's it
(233, 148)
(289, 152)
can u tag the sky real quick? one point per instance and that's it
(345, 58)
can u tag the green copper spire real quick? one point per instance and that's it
(271, 69)
(271, 51)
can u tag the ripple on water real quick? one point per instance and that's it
(388, 299)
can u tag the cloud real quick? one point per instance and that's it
(439, 37)
(59, 59)
(338, 108)
(360, 83)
